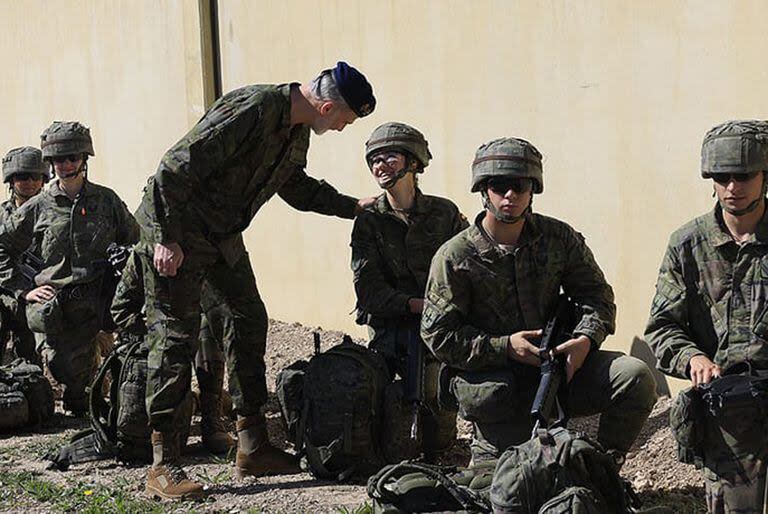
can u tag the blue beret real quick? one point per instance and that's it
(355, 89)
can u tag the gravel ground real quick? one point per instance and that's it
(651, 466)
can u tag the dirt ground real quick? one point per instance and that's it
(27, 486)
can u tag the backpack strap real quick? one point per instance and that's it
(83, 447)
(318, 457)
(467, 498)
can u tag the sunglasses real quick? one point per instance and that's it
(60, 159)
(724, 178)
(500, 186)
(27, 176)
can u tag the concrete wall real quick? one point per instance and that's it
(616, 95)
(129, 69)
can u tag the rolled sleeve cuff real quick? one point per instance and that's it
(346, 207)
(499, 346)
(594, 332)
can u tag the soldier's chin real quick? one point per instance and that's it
(319, 131)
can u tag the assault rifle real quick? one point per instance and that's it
(549, 403)
(30, 265)
(414, 377)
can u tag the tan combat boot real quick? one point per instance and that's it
(255, 455)
(210, 379)
(166, 479)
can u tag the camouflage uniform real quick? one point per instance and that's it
(712, 299)
(216, 326)
(14, 318)
(206, 190)
(390, 261)
(71, 238)
(479, 293)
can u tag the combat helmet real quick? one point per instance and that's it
(738, 146)
(25, 159)
(65, 138)
(507, 157)
(401, 138)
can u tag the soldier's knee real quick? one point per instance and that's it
(636, 381)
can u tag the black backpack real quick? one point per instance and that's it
(119, 424)
(332, 406)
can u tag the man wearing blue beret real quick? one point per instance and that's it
(251, 144)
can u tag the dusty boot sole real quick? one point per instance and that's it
(156, 494)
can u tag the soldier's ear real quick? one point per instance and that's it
(325, 108)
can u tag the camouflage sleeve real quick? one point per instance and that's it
(128, 302)
(585, 283)
(374, 294)
(16, 235)
(459, 222)
(444, 325)
(127, 228)
(211, 146)
(306, 193)
(666, 332)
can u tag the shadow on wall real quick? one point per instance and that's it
(642, 351)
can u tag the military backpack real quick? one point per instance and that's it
(119, 423)
(562, 470)
(332, 406)
(26, 396)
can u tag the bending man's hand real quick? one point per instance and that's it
(575, 351)
(363, 203)
(522, 350)
(40, 294)
(703, 370)
(168, 258)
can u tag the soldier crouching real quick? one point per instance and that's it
(709, 318)
(490, 291)
(66, 229)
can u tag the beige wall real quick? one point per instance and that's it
(616, 95)
(129, 69)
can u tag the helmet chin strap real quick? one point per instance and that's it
(500, 216)
(80, 169)
(408, 168)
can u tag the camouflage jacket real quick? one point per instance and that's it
(7, 208)
(70, 238)
(390, 258)
(711, 298)
(478, 293)
(242, 152)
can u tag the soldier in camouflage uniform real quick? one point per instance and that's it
(251, 144)
(393, 242)
(128, 314)
(68, 227)
(25, 173)
(491, 290)
(709, 312)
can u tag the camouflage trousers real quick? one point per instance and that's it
(735, 459)
(618, 387)
(13, 327)
(173, 321)
(72, 352)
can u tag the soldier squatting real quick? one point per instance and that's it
(475, 294)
